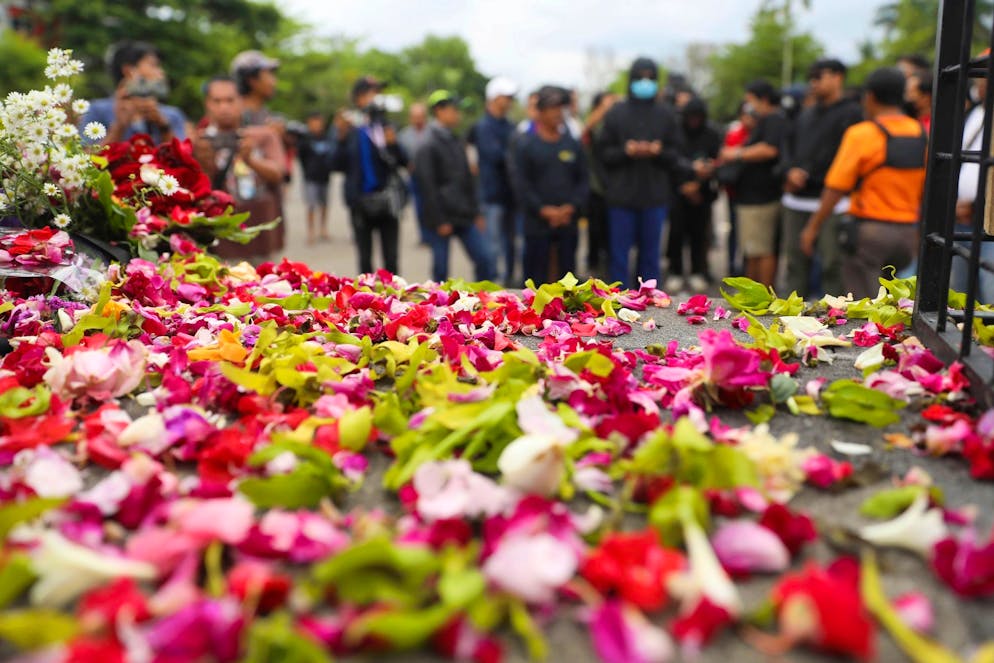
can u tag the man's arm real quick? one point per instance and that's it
(809, 236)
(610, 145)
(262, 151)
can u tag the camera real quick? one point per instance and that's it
(222, 140)
(147, 88)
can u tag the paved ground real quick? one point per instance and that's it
(959, 623)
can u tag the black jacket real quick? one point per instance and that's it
(347, 159)
(701, 142)
(445, 183)
(815, 138)
(639, 182)
(550, 174)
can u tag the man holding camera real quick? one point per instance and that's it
(247, 162)
(370, 156)
(136, 106)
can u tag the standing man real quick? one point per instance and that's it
(639, 147)
(370, 156)
(255, 74)
(809, 151)
(448, 193)
(758, 187)
(918, 94)
(491, 136)
(245, 161)
(136, 107)
(596, 207)
(411, 138)
(314, 149)
(690, 222)
(553, 183)
(881, 164)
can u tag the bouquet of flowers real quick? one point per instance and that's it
(133, 194)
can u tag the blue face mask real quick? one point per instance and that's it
(644, 88)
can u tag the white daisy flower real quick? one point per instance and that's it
(168, 185)
(35, 153)
(94, 131)
(62, 220)
(51, 190)
(67, 131)
(80, 106)
(62, 93)
(4, 200)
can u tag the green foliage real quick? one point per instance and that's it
(892, 502)
(847, 399)
(735, 65)
(23, 63)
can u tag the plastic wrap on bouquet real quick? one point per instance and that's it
(43, 261)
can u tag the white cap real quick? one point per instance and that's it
(501, 86)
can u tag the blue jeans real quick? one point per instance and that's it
(423, 232)
(475, 242)
(628, 227)
(538, 252)
(501, 234)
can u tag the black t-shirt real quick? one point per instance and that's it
(550, 173)
(760, 181)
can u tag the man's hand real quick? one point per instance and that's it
(633, 148)
(203, 151)
(481, 223)
(390, 135)
(809, 239)
(730, 153)
(148, 108)
(703, 168)
(444, 230)
(246, 144)
(964, 211)
(654, 148)
(796, 180)
(548, 212)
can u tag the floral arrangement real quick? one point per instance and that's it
(133, 193)
(180, 458)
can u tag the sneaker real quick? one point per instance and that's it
(698, 283)
(673, 284)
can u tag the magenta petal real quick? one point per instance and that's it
(613, 640)
(743, 546)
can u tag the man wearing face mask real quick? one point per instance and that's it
(639, 149)
(369, 155)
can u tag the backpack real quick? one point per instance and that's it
(900, 152)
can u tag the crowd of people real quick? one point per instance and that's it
(822, 179)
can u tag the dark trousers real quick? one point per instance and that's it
(875, 245)
(598, 240)
(388, 228)
(689, 224)
(539, 250)
(629, 228)
(478, 248)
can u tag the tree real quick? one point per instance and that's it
(23, 63)
(910, 27)
(762, 56)
(197, 38)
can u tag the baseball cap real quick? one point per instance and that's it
(365, 84)
(441, 98)
(552, 96)
(247, 60)
(501, 86)
(826, 64)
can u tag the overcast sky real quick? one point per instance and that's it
(538, 41)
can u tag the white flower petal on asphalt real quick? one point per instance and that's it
(531, 567)
(851, 448)
(66, 570)
(533, 464)
(705, 577)
(870, 358)
(918, 529)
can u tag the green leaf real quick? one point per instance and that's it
(847, 399)
(782, 387)
(917, 647)
(403, 629)
(459, 589)
(793, 305)
(590, 360)
(686, 437)
(729, 468)
(35, 629)
(678, 503)
(750, 296)
(16, 575)
(526, 628)
(274, 639)
(761, 414)
(21, 402)
(13, 514)
(890, 503)
(264, 385)
(304, 487)
(355, 427)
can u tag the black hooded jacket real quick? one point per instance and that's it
(815, 138)
(639, 182)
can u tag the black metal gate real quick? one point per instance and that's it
(949, 332)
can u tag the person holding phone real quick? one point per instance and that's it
(136, 106)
